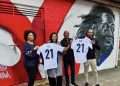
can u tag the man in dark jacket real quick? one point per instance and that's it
(91, 58)
(68, 59)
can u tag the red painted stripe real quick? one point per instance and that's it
(16, 25)
(55, 12)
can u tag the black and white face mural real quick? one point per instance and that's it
(86, 15)
(101, 20)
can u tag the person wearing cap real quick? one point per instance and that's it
(91, 58)
(68, 59)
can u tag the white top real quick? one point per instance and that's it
(80, 48)
(49, 52)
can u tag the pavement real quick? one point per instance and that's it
(109, 77)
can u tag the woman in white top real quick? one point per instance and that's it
(51, 53)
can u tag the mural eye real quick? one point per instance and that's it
(9, 53)
(112, 27)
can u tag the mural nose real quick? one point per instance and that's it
(9, 53)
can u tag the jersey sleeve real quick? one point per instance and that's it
(60, 48)
(72, 44)
(39, 51)
(89, 43)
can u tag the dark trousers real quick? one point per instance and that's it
(69, 63)
(55, 81)
(59, 80)
(52, 81)
(31, 71)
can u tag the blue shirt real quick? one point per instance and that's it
(30, 55)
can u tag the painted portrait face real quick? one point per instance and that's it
(101, 20)
(104, 18)
(85, 15)
(10, 53)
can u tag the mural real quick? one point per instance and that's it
(8, 46)
(101, 20)
(104, 20)
(15, 18)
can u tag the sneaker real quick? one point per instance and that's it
(74, 84)
(97, 85)
(86, 84)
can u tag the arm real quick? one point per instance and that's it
(68, 44)
(62, 49)
(40, 55)
(41, 59)
(66, 48)
(96, 45)
(29, 51)
(62, 43)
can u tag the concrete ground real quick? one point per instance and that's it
(109, 77)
